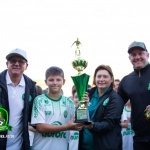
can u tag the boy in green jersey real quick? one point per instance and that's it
(74, 135)
(53, 114)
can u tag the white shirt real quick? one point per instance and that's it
(16, 105)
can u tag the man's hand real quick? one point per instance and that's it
(147, 112)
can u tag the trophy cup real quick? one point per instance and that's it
(80, 82)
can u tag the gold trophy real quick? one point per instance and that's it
(80, 82)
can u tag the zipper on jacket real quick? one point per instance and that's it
(139, 73)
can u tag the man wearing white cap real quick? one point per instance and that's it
(136, 87)
(17, 92)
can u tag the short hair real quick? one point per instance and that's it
(104, 67)
(54, 71)
(117, 80)
(39, 90)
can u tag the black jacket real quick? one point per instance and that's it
(106, 129)
(30, 90)
(136, 87)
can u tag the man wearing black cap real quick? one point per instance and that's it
(136, 87)
(17, 92)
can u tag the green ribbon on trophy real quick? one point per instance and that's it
(80, 82)
(4, 120)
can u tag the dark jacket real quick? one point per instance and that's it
(136, 87)
(30, 91)
(106, 129)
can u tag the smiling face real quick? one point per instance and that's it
(103, 79)
(138, 58)
(16, 66)
(55, 83)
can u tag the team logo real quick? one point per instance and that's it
(106, 102)
(46, 102)
(4, 120)
(75, 136)
(65, 113)
(57, 123)
(56, 134)
(148, 86)
(30, 97)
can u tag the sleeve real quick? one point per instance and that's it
(38, 113)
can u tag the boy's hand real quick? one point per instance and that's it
(71, 125)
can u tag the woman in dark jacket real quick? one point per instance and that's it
(105, 109)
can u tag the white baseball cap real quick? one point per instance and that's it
(17, 52)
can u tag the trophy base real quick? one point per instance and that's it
(82, 116)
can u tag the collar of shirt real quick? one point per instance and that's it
(9, 82)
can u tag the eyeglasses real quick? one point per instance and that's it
(20, 61)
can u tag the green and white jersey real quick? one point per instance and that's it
(73, 140)
(127, 133)
(54, 112)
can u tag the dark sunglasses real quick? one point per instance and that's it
(20, 61)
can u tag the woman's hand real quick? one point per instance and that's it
(89, 126)
(86, 98)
